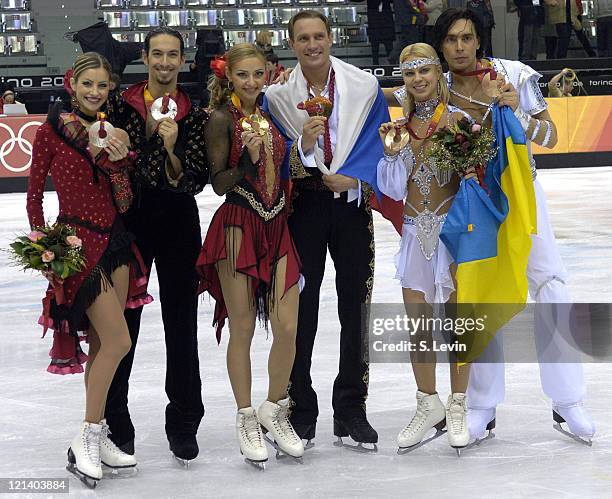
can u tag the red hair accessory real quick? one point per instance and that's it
(67, 76)
(218, 65)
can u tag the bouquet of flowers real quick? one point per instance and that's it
(462, 147)
(53, 249)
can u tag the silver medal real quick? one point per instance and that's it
(158, 104)
(94, 134)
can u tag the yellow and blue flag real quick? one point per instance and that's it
(489, 232)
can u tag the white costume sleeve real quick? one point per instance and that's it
(525, 80)
(307, 159)
(530, 96)
(392, 174)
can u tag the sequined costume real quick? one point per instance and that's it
(423, 262)
(255, 202)
(86, 203)
(166, 223)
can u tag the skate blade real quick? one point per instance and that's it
(259, 465)
(88, 481)
(183, 462)
(119, 472)
(405, 450)
(476, 442)
(583, 440)
(280, 453)
(359, 447)
(309, 444)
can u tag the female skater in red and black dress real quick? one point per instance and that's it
(248, 262)
(91, 184)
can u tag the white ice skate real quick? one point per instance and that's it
(481, 423)
(456, 422)
(580, 426)
(112, 456)
(84, 455)
(274, 418)
(430, 413)
(250, 436)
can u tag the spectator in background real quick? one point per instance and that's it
(263, 40)
(531, 18)
(434, 9)
(8, 97)
(380, 19)
(603, 12)
(410, 18)
(550, 36)
(563, 14)
(562, 84)
(484, 11)
(580, 34)
(273, 68)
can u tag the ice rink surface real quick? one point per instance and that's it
(40, 412)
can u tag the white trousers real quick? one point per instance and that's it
(562, 382)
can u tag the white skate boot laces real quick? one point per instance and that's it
(91, 441)
(416, 422)
(282, 417)
(252, 431)
(457, 413)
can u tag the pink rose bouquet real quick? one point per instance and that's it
(55, 250)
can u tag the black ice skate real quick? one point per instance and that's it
(306, 431)
(359, 429)
(184, 448)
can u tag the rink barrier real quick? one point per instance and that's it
(584, 126)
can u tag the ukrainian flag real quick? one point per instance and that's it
(488, 232)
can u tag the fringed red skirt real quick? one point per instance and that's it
(68, 319)
(263, 245)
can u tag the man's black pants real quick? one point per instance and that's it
(320, 222)
(167, 229)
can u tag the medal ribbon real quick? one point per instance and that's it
(327, 146)
(433, 124)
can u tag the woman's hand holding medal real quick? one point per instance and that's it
(254, 128)
(394, 136)
(103, 136)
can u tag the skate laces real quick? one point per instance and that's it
(251, 429)
(457, 415)
(104, 440)
(282, 418)
(416, 422)
(91, 439)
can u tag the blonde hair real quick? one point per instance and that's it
(263, 39)
(219, 87)
(90, 60)
(424, 51)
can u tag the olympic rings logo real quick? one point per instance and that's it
(9, 145)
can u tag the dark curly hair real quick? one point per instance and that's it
(446, 20)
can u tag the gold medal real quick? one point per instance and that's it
(398, 136)
(255, 123)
